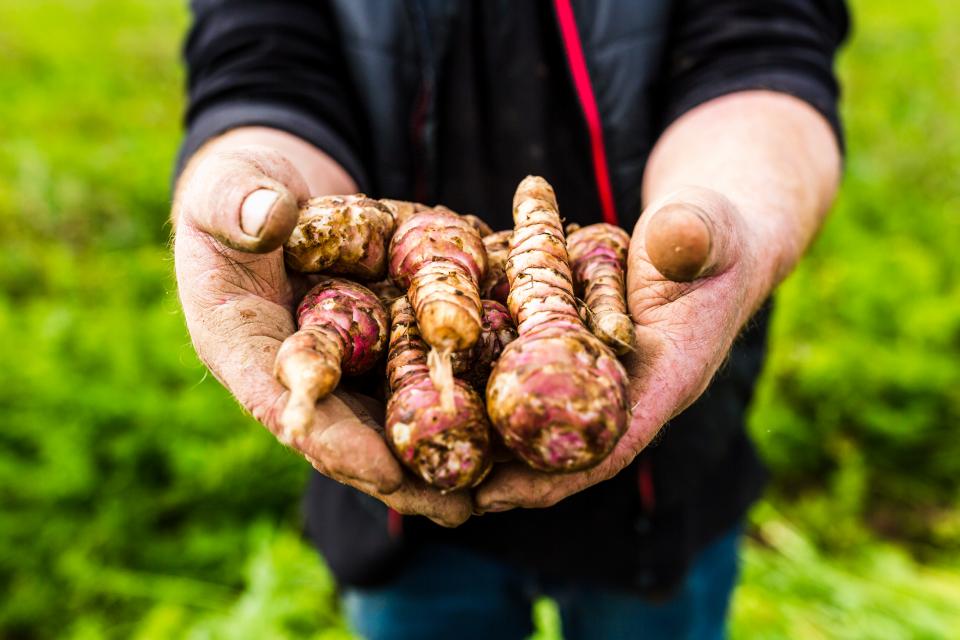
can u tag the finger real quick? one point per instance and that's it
(412, 497)
(247, 197)
(349, 448)
(516, 485)
(691, 235)
(416, 498)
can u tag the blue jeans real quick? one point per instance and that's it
(449, 592)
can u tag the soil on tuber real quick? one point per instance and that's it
(345, 235)
(557, 395)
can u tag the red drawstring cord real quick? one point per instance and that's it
(394, 523)
(588, 102)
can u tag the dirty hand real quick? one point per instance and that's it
(235, 206)
(689, 291)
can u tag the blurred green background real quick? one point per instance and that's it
(137, 502)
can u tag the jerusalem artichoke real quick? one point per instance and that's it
(386, 291)
(482, 227)
(495, 285)
(557, 395)
(598, 258)
(345, 235)
(474, 364)
(449, 450)
(402, 210)
(343, 328)
(439, 259)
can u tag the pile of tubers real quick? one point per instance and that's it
(507, 338)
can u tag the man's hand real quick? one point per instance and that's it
(236, 204)
(703, 259)
(684, 328)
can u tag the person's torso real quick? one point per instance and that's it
(464, 98)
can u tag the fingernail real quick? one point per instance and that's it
(255, 209)
(497, 507)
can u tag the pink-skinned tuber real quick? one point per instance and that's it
(557, 395)
(475, 364)
(495, 285)
(449, 450)
(598, 258)
(439, 259)
(343, 329)
(345, 235)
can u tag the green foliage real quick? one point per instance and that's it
(133, 492)
(858, 409)
(790, 589)
(863, 379)
(136, 501)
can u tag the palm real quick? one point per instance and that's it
(245, 296)
(684, 331)
(239, 309)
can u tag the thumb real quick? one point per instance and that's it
(691, 233)
(247, 197)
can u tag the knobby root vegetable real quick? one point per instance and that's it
(345, 235)
(474, 364)
(343, 327)
(449, 450)
(439, 259)
(557, 395)
(495, 285)
(482, 227)
(401, 210)
(598, 258)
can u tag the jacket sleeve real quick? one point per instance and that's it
(277, 64)
(723, 46)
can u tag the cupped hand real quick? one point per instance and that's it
(234, 208)
(691, 286)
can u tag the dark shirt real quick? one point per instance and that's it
(489, 99)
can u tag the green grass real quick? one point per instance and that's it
(136, 501)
